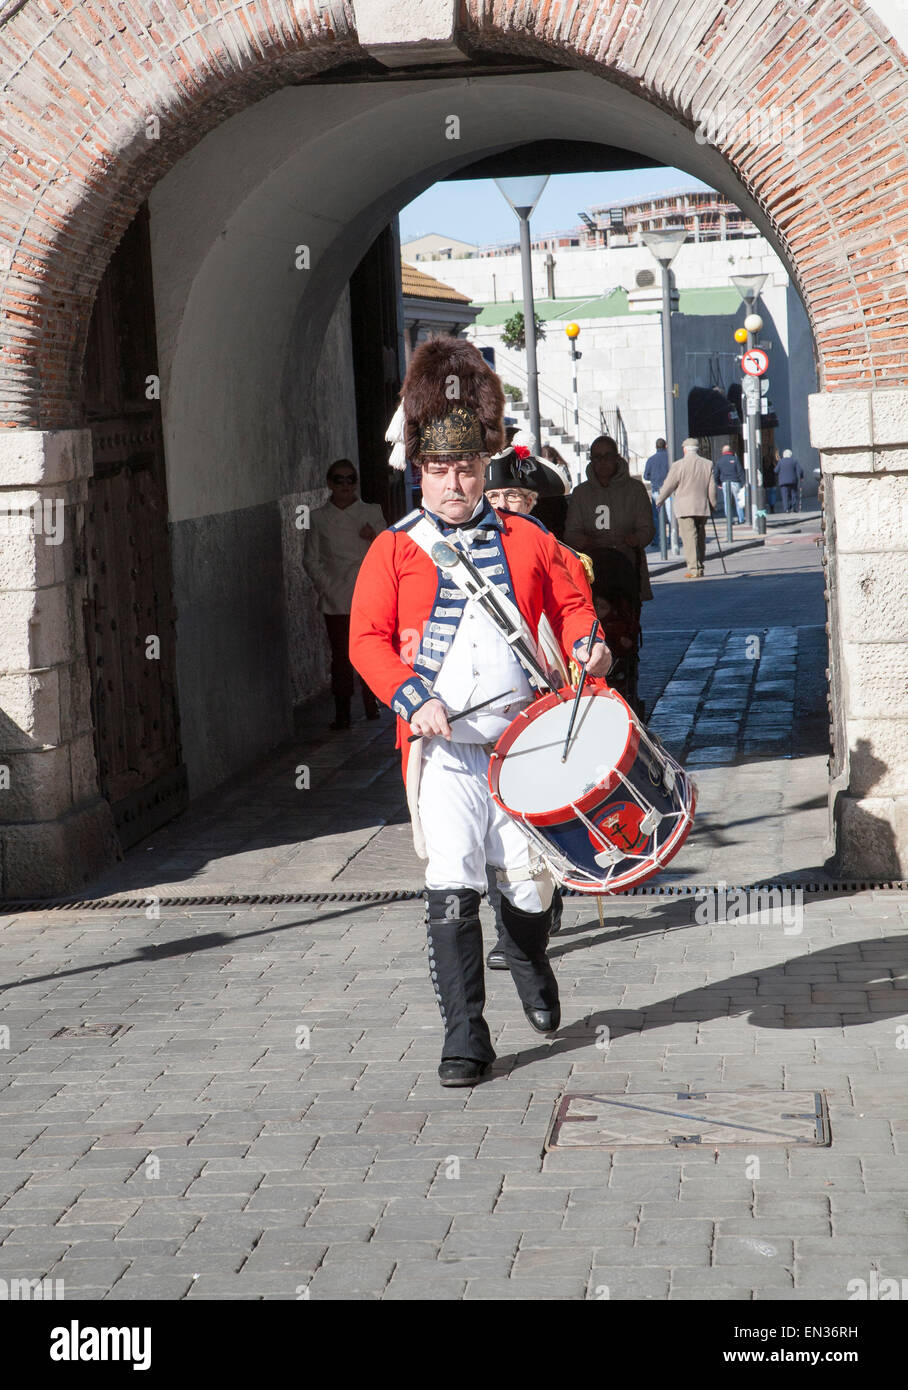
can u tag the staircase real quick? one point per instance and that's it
(561, 437)
(558, 436)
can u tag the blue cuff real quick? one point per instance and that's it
(411, 695)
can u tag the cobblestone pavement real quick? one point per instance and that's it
(266, 1122)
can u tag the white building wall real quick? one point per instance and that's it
(621, 364)
(593, 271)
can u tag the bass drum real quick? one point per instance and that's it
(615, 812)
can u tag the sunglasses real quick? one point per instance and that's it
(343, 478)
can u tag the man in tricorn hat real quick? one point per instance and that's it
(515, 481)
(427, 650)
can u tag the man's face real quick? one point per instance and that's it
(452, 490)
(512, 499)
(342, 483)
(604, 459)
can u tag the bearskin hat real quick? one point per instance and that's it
(453, 402)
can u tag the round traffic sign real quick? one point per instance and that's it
(755, 362)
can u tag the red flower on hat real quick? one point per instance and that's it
(521, 451)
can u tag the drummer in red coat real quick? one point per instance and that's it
(427, 650)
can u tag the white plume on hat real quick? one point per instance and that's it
(394, 434)
(524, 440)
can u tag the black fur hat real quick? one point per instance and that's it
(453, 402)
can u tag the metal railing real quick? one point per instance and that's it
(561, 403)
(612, 424)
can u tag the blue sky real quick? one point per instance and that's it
(475, 211)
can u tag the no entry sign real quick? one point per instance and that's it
(755, 362)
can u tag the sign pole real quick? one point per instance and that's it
(754, 363)
(573, 332)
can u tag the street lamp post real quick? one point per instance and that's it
(573, 332)
(665, 247)
(523, 194)
(749, 287)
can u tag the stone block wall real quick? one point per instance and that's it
(56, 831)
(863, 441)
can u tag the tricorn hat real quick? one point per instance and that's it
(453, 402)
(516, 467)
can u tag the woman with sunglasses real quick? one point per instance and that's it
(340, 533)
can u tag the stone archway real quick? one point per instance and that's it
(99, 110)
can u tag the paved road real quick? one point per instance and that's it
(778, 583)
(264, 1121)
(268, 1124)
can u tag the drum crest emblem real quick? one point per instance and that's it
(620, 824)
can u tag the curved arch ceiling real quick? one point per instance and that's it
(328, 167)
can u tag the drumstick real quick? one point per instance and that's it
(472, 710)
(589, 647)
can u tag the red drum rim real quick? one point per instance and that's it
(590, 800)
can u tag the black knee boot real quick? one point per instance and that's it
(495, 960)
(524, 940)
(456, 968)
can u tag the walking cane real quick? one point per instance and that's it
(718, 546)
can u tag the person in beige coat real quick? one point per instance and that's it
(690, 480)
(611, 511)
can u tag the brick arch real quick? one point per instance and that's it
(81, 81)
(837, 215)
(71, 185)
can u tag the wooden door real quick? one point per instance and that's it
(129, 611)
(375, 325)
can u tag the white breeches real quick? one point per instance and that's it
(465, 830)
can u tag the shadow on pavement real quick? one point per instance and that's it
(813, 991)
(186, 946)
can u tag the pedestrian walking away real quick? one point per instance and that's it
(427, 650)
(655, 472)
(691, 481)
(729, 469)
(770, 483)
(339, 535)
(789, 474)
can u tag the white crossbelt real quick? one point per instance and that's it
(478, 591)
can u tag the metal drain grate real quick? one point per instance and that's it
(669, 890)
(708, 1118)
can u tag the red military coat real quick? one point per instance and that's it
(395, 593)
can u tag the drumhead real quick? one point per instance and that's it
(531, 776)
